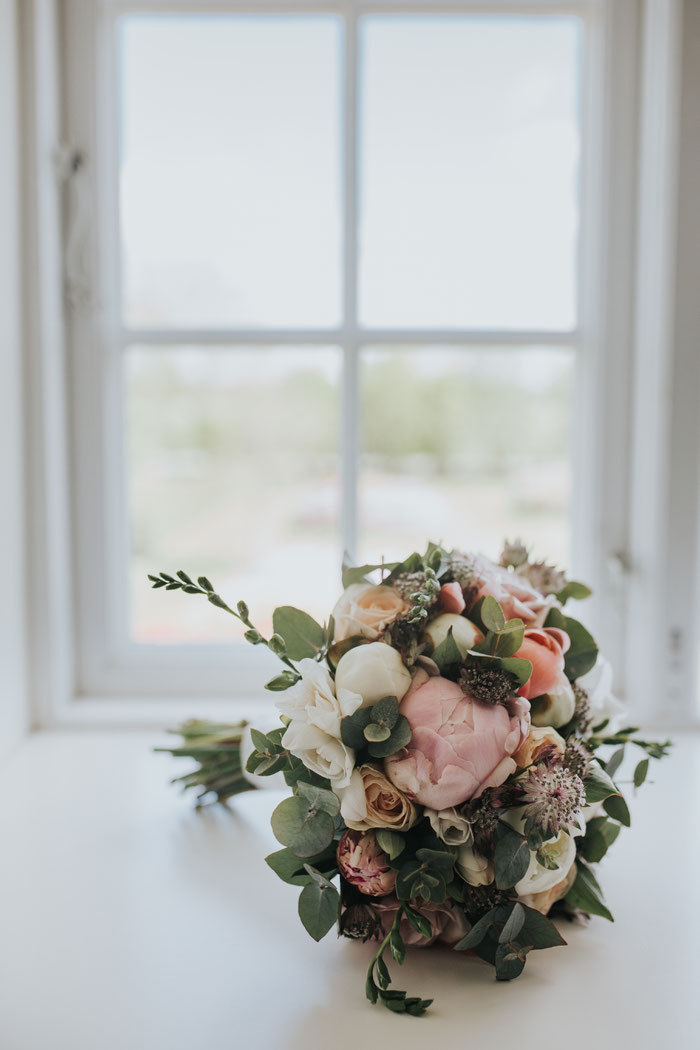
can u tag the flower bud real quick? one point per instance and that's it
(364, 864)
(374, 671)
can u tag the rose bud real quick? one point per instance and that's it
(544, 648)
(459, 746)
(540, 740)
(374, 671)
(364, 864)
(452, 598)
(556, 707)
(465, 633)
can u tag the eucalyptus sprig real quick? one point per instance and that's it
(276, 643)
(378, 989)
(424, 597)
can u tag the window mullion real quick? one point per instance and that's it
(351, 407)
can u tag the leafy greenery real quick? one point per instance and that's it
(586, 895)
(505, 935)
(304, 825)
(378, 731)
(378, 979)
(511, 857)
(600, 835)
(572, 589)
(319, 904)
(215, 746)
(303, 637)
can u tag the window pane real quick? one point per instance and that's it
(469, 144)
(232, 471)
(467, 447)
(230, 207)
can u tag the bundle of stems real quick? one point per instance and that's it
(216, 748)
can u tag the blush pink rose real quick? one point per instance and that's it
(459, 746)
(545, 649)
(452, 598)
(516, 597)
(363, 863)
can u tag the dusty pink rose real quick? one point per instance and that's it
(459, 746)
(363, 863)
(452, 598)
(545, 649)
(514, 594)
(449, 924)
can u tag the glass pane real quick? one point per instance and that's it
(467, 447)
(230, 184)
(469, 147)
(232, 472)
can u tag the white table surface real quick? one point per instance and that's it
(128, 921)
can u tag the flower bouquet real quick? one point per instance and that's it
(441, 736)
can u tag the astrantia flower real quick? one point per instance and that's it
(577, 757)
(552, 797)
(545, 578)
(360, 922)
(582, 710)
(514, 554)
(487, 683)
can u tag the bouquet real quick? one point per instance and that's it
(450, 741)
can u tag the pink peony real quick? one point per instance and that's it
(452, 598)
(516, 597)
(459, 746)
(363, 863)
(449, 923)
(545, 649)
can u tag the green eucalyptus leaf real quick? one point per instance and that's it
(587, 895)
(447, 653)
(640, 773)
(511, 857)
(513, 924)
(358, 573)
(318, 908)
(307, 832)
(400, 737)
(319, 798)
(391, 842)
(538, 931)
(352, 728)
(615, 761)
(598, 784)
(583, 651)
(302, 635)
(477, 933)
(509, 963)
(572, 589)
(386, 711)
(616, 807)
(375, 734)
(492, 615)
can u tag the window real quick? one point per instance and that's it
(343, 298)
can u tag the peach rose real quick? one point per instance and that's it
(544, 647)
(371, 801)
(367, 610)
(452, 598)
(459, 746)
(364, 864)
(539, 740)
(514, 594)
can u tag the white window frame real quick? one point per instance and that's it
(82, 678)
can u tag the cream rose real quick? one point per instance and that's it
(365, 609)
(370, 800)
(561, 853)
(374, 671)
(316, 709)
(544, 900)
(539, 739)
(450, 826)
(554, 708)
(474, 869)
(465, 633)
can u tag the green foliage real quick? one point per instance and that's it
(303, 636)
(505, 935)
(379, 730)
(378, 978)
(492, 615)
(392, 842)
(300, 825)
(511, 857)
(586, 894)
(583, 651)
(447, 654)
(616, 807)
(572, 589)
(319, 904)
(598, 783)
(215, 747)
(358, 573)
(640, 772)
(426, 876)
(291, 869)
(600, 835)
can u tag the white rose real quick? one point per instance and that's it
(316, 709)
(598, 684)
(365, 609)
(464, 632)
(374, 671)
(474, 869)
(556, 707)
(450, 826)
(561, 851)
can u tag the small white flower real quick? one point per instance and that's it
(474, 869)
(560, 851)
(316, 710)
(374, 671)
(450, 826)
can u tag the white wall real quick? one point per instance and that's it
(13, 681)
